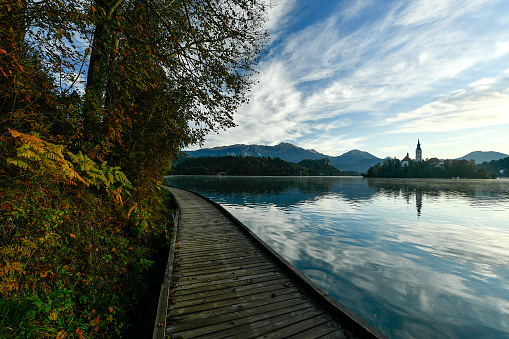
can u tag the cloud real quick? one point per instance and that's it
(354, 69)
(428, 11)
(274, 114)
(475, 107)
(334, 145)
(392, 149)
(278, 15)
(352, 10)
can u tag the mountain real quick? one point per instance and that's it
(480, 156)
(354, 160)
(284, 151)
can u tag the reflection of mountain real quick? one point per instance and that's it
(279, 191)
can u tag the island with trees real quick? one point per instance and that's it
(394, 168)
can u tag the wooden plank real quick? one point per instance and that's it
(234, 294)
(320, 331)
(241, 325)
(238, 319)
(239, 287)
(184, 289)
(277, 327)
(267, 297)
(293, 298)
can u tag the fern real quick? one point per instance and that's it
(50, 160)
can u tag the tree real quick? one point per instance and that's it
(157, 75)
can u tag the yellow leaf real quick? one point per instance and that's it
(53, 315)
(61, 335)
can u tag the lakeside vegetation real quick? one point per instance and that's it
(97, 98)
(256, 166)
(499, 167)
(393, 168)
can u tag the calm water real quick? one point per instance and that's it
(416, 258)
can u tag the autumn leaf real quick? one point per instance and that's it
(61, 335)
(95, 321)
(53, 315)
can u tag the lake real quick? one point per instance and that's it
(416, 258)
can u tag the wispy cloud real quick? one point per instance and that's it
(471, 108)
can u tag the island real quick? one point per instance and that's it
(429, 168)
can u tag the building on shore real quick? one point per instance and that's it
(418, 158)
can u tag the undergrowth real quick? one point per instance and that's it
(73, 263)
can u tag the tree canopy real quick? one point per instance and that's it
(97, 98)
(128, 81)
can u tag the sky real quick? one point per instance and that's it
(377, 75)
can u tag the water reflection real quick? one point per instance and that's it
(416, 258)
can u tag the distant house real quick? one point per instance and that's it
(406, 160)
(436, 162)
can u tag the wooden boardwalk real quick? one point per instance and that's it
(224, 282)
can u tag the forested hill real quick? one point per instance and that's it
(263, 166)
(499, 167)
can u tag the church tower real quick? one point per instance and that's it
(418, 152)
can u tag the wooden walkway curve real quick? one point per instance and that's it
(224, 282)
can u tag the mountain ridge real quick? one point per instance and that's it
(354, 160)
(483, 156)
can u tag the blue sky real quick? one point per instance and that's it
(377, 75)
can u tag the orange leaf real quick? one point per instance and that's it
(80, 332)
(95, 321)
(3, 51)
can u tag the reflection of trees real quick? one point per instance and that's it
(434, 187)
(281, 191)
(473, 190)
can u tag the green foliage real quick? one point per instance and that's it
(392, 168)
(70, 262)
(495, 166)
(240, 165)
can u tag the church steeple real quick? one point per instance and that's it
(418, 152)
